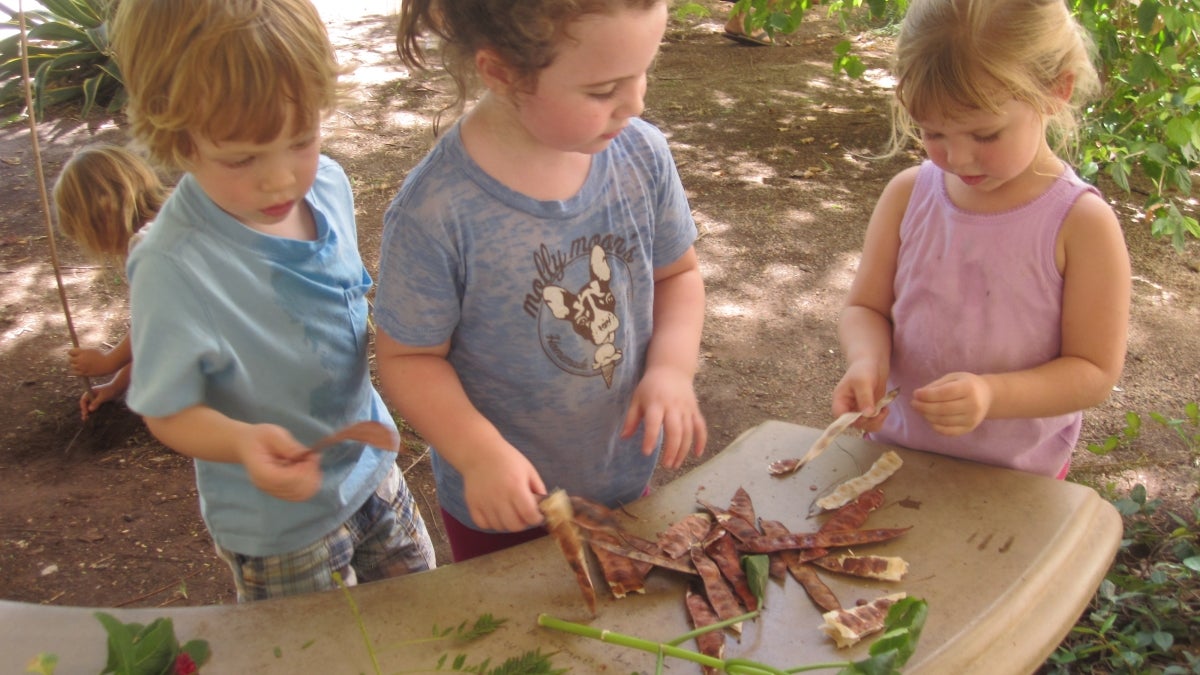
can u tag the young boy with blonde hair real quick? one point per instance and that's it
(248, 297)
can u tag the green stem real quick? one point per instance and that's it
(547, 621)
(748, 616)
(820, 666)
(734, 666)
(362, 627)
(746, 667)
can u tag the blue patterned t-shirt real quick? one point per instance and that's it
(548, 305)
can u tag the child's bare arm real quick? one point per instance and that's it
(865, 327)
(666, 397)
(501, 486)
(277, 463)
(1096, 290)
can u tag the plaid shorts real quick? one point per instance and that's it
(385, 538)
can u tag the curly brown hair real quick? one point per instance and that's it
(524, 35)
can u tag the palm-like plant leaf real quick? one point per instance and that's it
(68, 56)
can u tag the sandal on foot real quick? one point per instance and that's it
(757, 40)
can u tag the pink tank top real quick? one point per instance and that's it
(979, 293)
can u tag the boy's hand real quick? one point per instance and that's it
(278, 464)
(503, 494)
(954, 404)
(666, 399)
(90, 362)
(859, 390)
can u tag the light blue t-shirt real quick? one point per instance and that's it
(548, 305)
(262, 329)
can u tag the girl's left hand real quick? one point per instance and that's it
(665, 399)
(954, 404)
(91, 400)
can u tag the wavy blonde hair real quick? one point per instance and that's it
(103, 195)
(976, 54)
(223, 69)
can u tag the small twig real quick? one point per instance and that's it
(67, 450)
(431, 520)
(155, 558)
(158, 590)
(28, 529)
(417, 460)
(103, 559)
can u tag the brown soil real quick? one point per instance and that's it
(776, 156)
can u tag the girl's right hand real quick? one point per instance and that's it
(278, 464)
(858, 390)
(90, 362)
(503, 494)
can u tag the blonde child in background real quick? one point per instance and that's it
(540, 302)
(994, 284)
(104, 196)
(249, 298)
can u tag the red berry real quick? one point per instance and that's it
(184, 665)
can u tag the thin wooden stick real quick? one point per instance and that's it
(41, 179)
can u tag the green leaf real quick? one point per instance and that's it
(686, 10)
(486, 624)
(1147, 12)
(91, 88)
(758, 570)
(1163, 640)
(1138, 494)
(120, 642)
(56, 31)
(908, 614)
(1133, 424)
(75, 11)
(529, 663)
(1119, 172)
(878, 664)
(42, 664)
(155, 647)
(1179, 131)
(200, 653)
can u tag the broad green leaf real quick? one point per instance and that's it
(1163, 640)
(199, 651)
(56, 31)
(1179, 130)
(1147, 12)
(1119, 172)
(758, 571)
(908, 614)
(155, 647)
(1138, 493)
(120, 641)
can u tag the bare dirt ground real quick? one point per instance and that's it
(776, 155)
